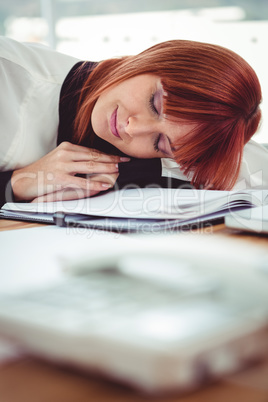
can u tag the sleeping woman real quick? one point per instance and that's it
(179, 113)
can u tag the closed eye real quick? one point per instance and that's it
(152, 105)
(156, 143)
(163, 144)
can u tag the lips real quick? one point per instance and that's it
(113, 124)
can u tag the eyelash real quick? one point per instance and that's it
(156, 142)
(152, 106)
(155, 111)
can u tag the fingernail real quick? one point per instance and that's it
(116, 165)
(124, 159)
(105, 185)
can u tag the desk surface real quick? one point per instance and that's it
(31, 380)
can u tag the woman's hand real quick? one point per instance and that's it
(53, 177)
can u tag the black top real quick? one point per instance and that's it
(6, 194)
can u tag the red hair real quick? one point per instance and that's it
(206, 85)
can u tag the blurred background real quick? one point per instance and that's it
(100, 29)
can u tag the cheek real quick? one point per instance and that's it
(94, 117)
(97, 119)
(141, 148)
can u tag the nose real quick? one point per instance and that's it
(141, 126)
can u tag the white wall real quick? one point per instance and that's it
(104, 36)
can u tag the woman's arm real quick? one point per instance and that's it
(62, 174)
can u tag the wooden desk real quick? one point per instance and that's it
(32, 380)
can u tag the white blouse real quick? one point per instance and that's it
(31, 77)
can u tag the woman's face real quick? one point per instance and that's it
(130, 117)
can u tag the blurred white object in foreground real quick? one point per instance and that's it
(160, 313)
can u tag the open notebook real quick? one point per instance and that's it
(140, 210)
(251, 220)
(159, 313)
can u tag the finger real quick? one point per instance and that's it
(96, 156)
(105, 178)
(91, 167)
(81, 184)
(65, 195)
(80, 153)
